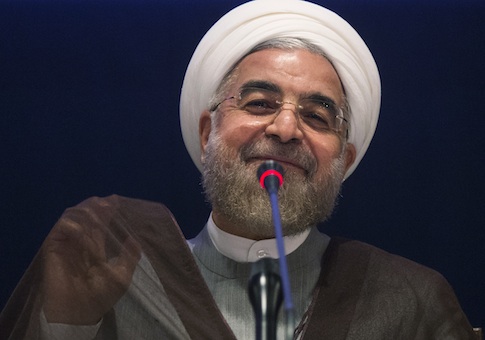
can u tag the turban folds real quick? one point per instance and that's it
(252, 23)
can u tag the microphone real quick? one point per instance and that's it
(265, 296)
(270, 175)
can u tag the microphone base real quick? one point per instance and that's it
(265, 294)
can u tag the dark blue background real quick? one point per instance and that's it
(89, 106)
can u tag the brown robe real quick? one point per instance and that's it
(362, 293)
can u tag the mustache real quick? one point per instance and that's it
(293, 153)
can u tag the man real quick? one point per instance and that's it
(281, 80)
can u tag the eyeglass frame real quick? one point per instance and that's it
(279, 106)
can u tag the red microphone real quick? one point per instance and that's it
(270, 175)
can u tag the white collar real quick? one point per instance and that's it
(242, 249)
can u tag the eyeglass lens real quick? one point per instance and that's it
(317, 114)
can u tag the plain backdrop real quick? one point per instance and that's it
(89, 96)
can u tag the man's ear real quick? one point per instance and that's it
(350, 154)
(205, 123)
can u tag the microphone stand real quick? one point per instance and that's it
(265, 295)
(271, 178)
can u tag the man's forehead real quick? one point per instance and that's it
(281, 57)
(277, 70)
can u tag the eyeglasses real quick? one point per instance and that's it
(316, 113)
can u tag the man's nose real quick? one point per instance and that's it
(286, 125)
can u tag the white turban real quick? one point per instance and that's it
(237, 32)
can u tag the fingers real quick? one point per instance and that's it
(94, 232)
(74, 234)
(84, 234)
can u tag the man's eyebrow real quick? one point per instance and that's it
(272, 87)
(320, 97)
(261, 84)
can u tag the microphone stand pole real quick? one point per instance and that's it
(265, 295)
(270, 175)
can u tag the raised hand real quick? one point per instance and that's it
(87, 266)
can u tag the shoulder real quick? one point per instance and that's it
(381, 263)
(401, 291)
(392, 279)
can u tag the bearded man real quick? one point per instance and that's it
(272, 80)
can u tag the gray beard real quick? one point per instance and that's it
(232, 188)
